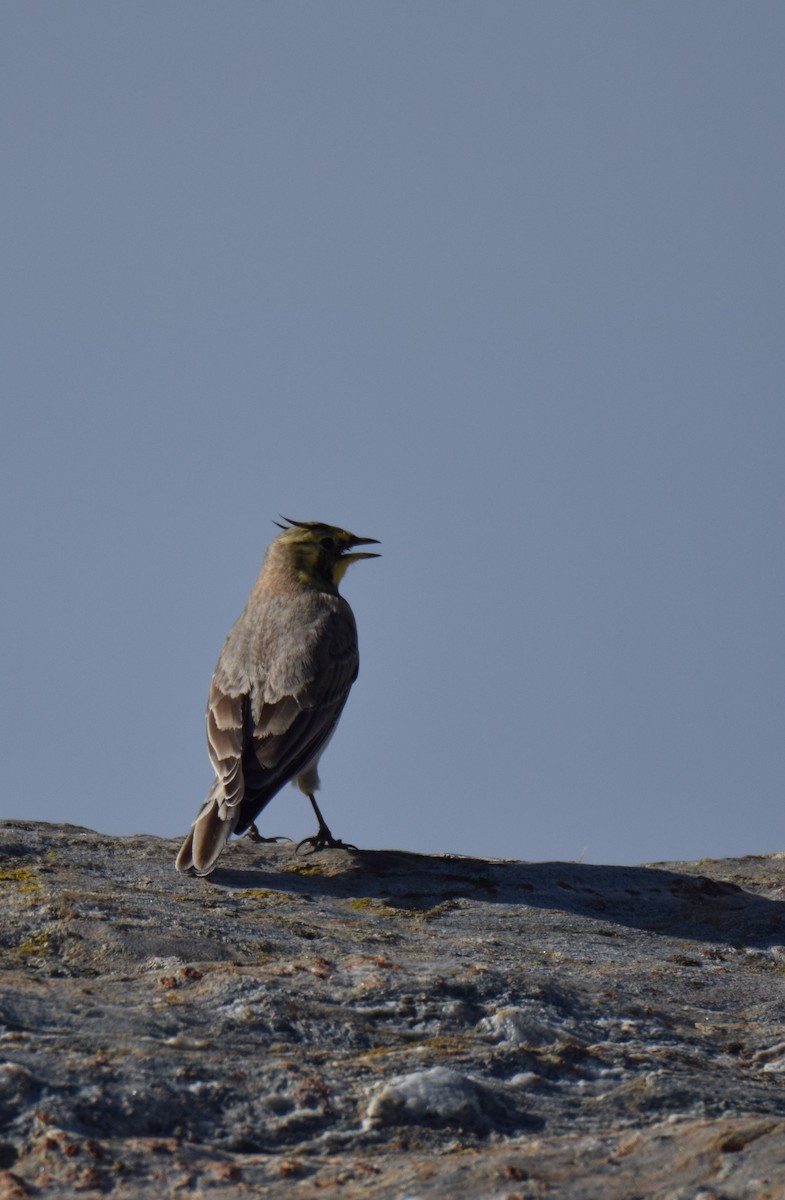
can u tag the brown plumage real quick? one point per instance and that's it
(279, 686)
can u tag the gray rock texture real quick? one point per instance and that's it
(386, 1024)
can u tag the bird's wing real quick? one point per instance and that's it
(290, 732)
(272, 706)
(217, 817)
(267, 723)
(225, 735)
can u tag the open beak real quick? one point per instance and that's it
(358, 541)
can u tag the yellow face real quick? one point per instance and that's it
(321, 554)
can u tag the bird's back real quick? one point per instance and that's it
(293, 664)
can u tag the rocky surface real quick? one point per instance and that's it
(385, 1024)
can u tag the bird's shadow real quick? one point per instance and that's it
(655, 899)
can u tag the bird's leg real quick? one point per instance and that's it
(322, 839)
(253, 835)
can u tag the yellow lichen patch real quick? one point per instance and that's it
(26, 878)
(36, 945)
(371, 904)
(445, 1043)
(378, 907)
(304, 869)
(376, 1051)
(264, 894)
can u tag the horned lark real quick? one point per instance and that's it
(279, 686)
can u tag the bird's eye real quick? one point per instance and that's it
(330, 545)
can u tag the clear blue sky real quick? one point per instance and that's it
(499, 283)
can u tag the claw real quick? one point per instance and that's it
(323, 840)
(253, 835)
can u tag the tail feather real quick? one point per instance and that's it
(207, 836)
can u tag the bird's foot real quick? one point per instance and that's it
(253, 835)
(323, 840)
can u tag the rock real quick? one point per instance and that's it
(437, 1097)
(519, 1025)
(386, 1023)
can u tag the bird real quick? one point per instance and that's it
(280, 684)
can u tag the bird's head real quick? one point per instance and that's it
(320, 554)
